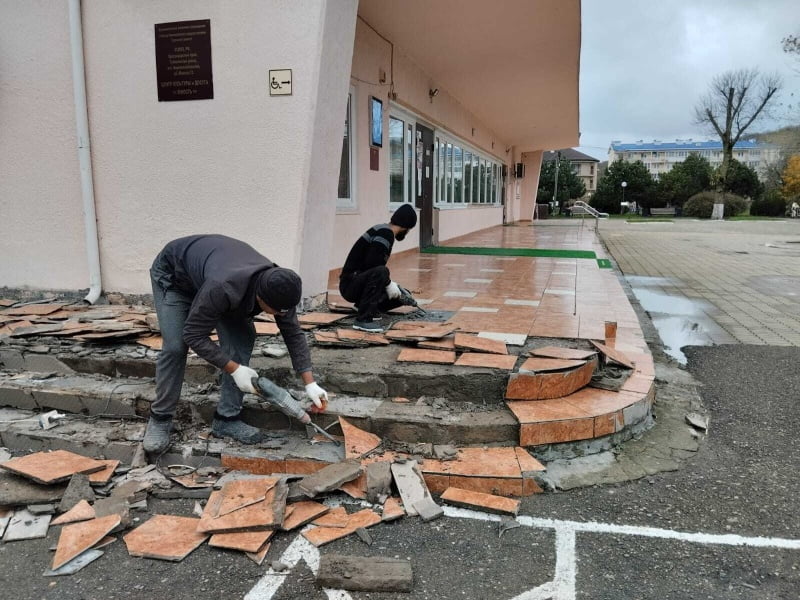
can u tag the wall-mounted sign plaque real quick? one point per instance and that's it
(183, 61)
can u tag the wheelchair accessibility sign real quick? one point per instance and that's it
(280, 82)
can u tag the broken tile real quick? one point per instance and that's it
(474, 343)
(423, 330)
(33, 309)
(564, 353)
(392, 509)
(78, 537)
(330, 338)
(480, 501)
(42, 509)
(426, 356)
(323, 535)
(77, 490)
(25, 526)
(514, 339)
(303, 513)
(330, 477)
(365, 574)
(241, 493)
(17, 491)
(258, 557)
(165, 537)
(477, 462)
(614, 355)
(82, 511)
(413, 490)
(362, 336)
(504, 362)
(357, 442)
(445, 343)
(554, 432)
(106, 541)
(245, 541)
(76, 564)
(541, 386)
(319, 318)
(52, 467)
(335, 517)
(379, 481)
(527, 463)
(194, 481)
(267, 514)
(263, 328)
(104, 476)
(539, 365)
(357, 488)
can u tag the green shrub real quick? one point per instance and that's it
(702, 205)
(770, 204)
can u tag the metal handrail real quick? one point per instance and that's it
(590, 210)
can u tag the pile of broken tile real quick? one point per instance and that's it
(94, 500)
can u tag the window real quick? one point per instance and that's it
(409, 192)
(476, 182)
(458, 175)
(440, 172)
(463, 176)
(396, 174)
(345, 198)
(467, 176)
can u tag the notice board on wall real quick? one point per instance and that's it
(183, 61)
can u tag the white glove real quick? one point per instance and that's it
(316, 394)
(243, 378)
(393, 290)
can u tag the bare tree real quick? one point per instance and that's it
(735, 100)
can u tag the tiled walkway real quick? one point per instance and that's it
(515, 297)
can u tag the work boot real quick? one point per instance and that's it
(156, 436)
(235, 428)
(368, 325)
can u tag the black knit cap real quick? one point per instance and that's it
(405, 216)
(280, 288)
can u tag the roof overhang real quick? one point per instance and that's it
(514, 64)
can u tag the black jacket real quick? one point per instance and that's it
(220, 273)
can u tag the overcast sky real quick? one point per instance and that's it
(644, 65)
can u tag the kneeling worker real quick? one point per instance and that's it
(203, 282)
(365, 279)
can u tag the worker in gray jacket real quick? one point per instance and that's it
(206, 282)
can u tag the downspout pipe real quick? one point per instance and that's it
(84, 152)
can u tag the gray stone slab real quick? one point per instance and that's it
(78, 489)
(76, 564)
(330, 478)
(413, 490)
(365, 574)
(26, 526)
(17, 397)
(379, 481)
(42, 509)
(45, 362)
(427, 509)
(17, 491)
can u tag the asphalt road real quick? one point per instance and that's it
(743, 482)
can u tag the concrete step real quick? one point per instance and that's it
(426, 419)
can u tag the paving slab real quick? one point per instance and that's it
(165, 537)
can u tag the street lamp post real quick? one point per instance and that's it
(624, 184)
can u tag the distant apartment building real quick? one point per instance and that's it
(659, 157)
(585, 166)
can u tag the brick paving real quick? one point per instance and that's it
(743, 275)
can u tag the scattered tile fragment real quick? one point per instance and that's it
(364, 536)
(319, 318)
(104, 476)
(82, 511)
(25, 526)
(564, 353)
(52, 467)
(266, 328)
(474, 343)
(303, 513)
(413, 490)
(165, 537)
(540, 364)
(242, 493)
(106, 541)
(330, 477)
(42, 509)
(78, 537)
(392, 509)
(613, 355)
(76, 564)
(335, 517)
(379, 481)
(480, 501)
(267, 514)
(258, 557)
(193, 481)
(445, 343)
(376, 339)
(78, 489)
(504, 362)
(323, 535)
(244, 541)
(444, 357)
(357, 442)
(365, 574)
(542, 386)
(697, 421)
(513, 339)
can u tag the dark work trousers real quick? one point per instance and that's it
(236, 337)
(367, 290)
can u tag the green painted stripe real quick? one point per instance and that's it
(539, 252)
(604, 263)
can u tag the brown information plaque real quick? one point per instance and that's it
(183, 61)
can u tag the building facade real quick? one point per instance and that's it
(585, 166)
(659, 157)
(293, 126)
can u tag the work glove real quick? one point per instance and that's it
(243, 378)
(317, 394)
(393, 291)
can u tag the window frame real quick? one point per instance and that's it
(350, 204)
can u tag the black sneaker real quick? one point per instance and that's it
(369, 326)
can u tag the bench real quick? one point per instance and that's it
(663, 212)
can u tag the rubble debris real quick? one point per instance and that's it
(76, 564)
(179, 492)
(278, 566)
(79, 537)
(195, 481)
(267, 514)
(274, 351)
(445, 452)
(610, 378)
(82, 511)
(42, 509)
(77, 490)
(320, 536)
(414, 492)
(505, 524)
(379, 481)
(613, 355)
(18, 491)
(52, 467)
(114, 505)
(330, 477)
(5, 517)
(25, 526)
(364, 536)
(302, 514)
(480, 501)
(244, 541)
(165, 537)
(365, 574)
(697, 421)
(357, 442)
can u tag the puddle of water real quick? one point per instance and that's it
(640, 281)
(656, 302)
(679, 331)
